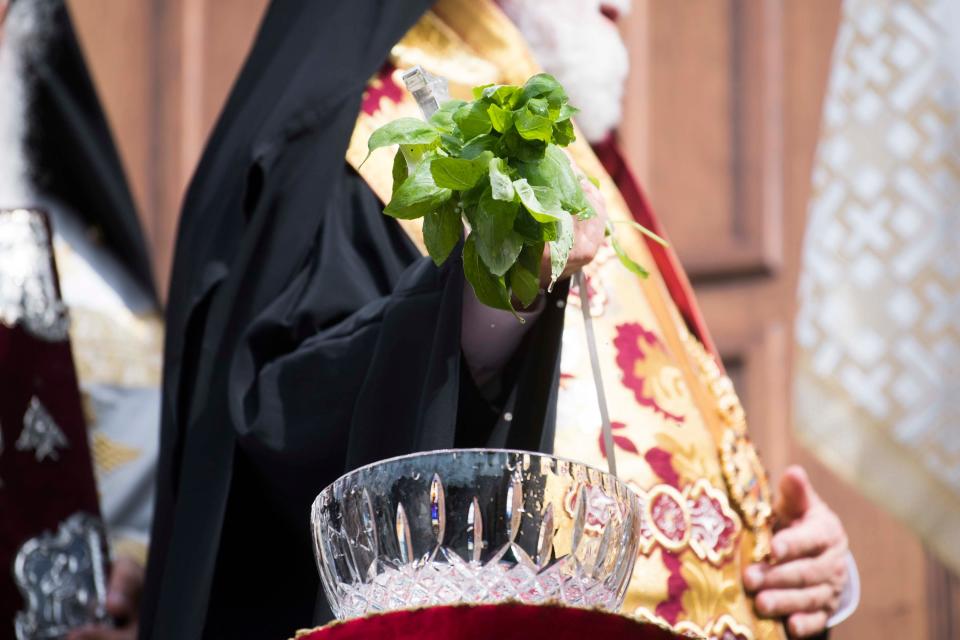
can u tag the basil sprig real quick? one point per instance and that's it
(495, 162)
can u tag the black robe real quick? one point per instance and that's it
(305, 336)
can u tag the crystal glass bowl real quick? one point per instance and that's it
(475, 526)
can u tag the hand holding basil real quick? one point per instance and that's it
(495, 162)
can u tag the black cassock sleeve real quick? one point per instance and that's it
(305, 335)
(356, 360)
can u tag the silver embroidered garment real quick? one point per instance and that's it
(62, 579)
(40, 433)
(28, 290)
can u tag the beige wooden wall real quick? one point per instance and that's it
(722, 118)
(164, 69)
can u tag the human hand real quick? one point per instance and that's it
(588, 236)
(809, 570)
(123, 604)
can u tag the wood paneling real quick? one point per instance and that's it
(164, 69)
(202, 46)
(718, 157)
(943, 613)
(118, 40)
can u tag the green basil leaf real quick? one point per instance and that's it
(458, 173)
(478, 91)
(497, 243)
(494, 164)
(502, 95)
(501, 186)
(556, 99)
(533, 231)
(560, 248)
(566, 112)
(563, 133)
(554, 171)
(490, 289)
(626, 260)
(550, 231)
(539, 107)
(418, 194)
(542, 84)
(442, 118)
(470, 198)
(524, 276)
(441, 230)
(399, 171)
(413, 153)
(548, 198)
(402, 131)
(533, 127)
(472, 119)
(451, 144)
(512, 145)
(532, 204)
(485, 142)
(500, 118)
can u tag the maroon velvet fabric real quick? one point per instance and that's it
(482, 622)
(609, 154)
(37, 496)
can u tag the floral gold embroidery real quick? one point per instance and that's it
(648, 586)
(712, 593)
(747, 483)
(686, 629)
(723, 628)
(667, 516)
(729, 408)
(690, 464)
(726, 628)
(716, 527)
(699, 517)
(649, 371)
(744, 473)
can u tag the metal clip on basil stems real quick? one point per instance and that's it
(430, 92)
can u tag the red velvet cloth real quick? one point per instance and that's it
(482, 622)
(612, 159)
(37, 496)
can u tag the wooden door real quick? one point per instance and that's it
(164, 69)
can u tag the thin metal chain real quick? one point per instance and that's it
(597, 377)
